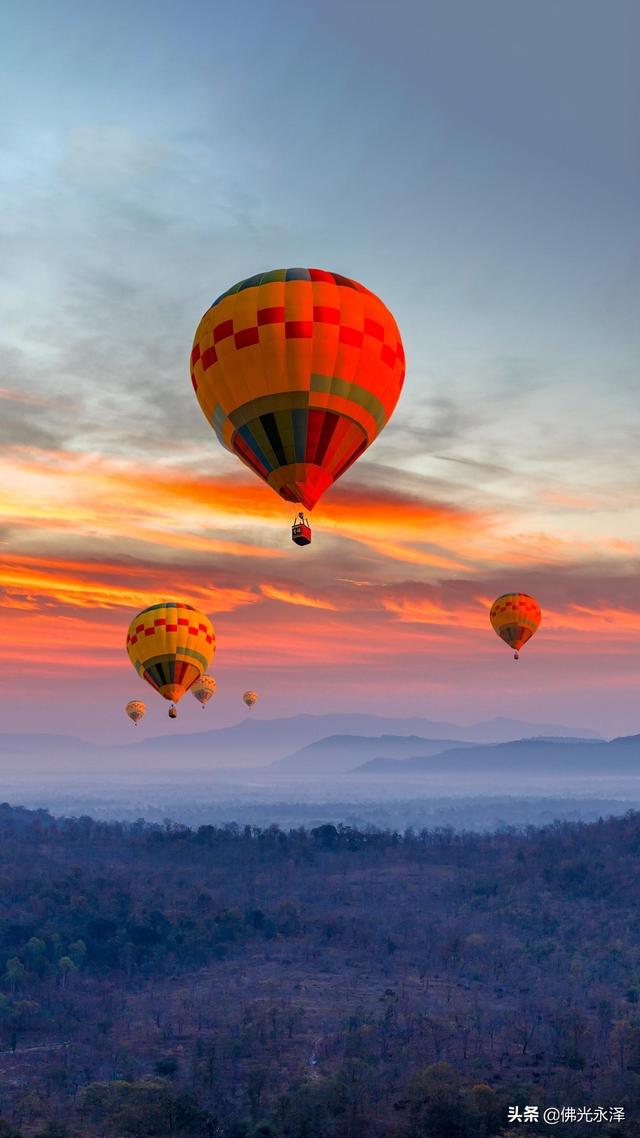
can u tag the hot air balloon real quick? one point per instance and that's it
(135, 709)
(171, 645)
(515, 617)
(250, 698)
(204, 689)
(297, 371)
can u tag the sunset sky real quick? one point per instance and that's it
(477, 166)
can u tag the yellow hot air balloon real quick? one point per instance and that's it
(250, 698)
(204, 689)
(135, 709)
(515, 617)
(297, 371)
(171, 645)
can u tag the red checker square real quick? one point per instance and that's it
(195, 355)
(134, 639)
(183, 620)
(326, 315)
(139, 627)
(193, 631)
(209, 639)
(351, 336)
(172, 628)
(149, 631)
(298, 329)
(246, 337)
(271, 315)
(209, 357)
(222, 331)
(202, 627)
(387, 355)
(159, 622)
(372, 328)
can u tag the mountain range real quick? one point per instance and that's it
(270, 746)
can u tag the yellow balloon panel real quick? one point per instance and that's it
(171, 645)
(204, 689)
(515, 617)
(297, 371)
(135, 709)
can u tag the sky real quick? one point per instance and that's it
(477, 166)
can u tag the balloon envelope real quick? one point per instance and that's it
(135, 709)
(297, 371)
(250, 698)
(204, 689)
(515, 617)
(170, 645)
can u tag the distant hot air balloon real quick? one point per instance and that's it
(135, 709)
(297, 371)
(515, 617)
(204, 689)
(171, 645)
(250, 698)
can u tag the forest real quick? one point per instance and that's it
(246, 982)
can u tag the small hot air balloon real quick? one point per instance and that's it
(297, 371)
(515, 617)
(135, 709)
(204, 689)
(250, 698)
(171, 645)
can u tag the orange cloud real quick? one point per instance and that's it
(82, 585)
(49, 495)
(429, 612)
(12, 396)
(273, 593)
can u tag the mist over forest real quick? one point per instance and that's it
(368, 935)
(249, 982)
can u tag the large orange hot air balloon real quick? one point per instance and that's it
(297, 371)
(515, 617)
(171, 645)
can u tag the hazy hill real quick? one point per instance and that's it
(251, 743)
(524, 756)
(337, 753)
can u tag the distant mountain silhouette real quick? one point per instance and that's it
(337, 753)
(523, 756)
(254, 743)
(30, 743)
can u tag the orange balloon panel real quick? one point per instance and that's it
(204, 689)
(170, 645)
(515, 617)
(297, 371)
(135, 709)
